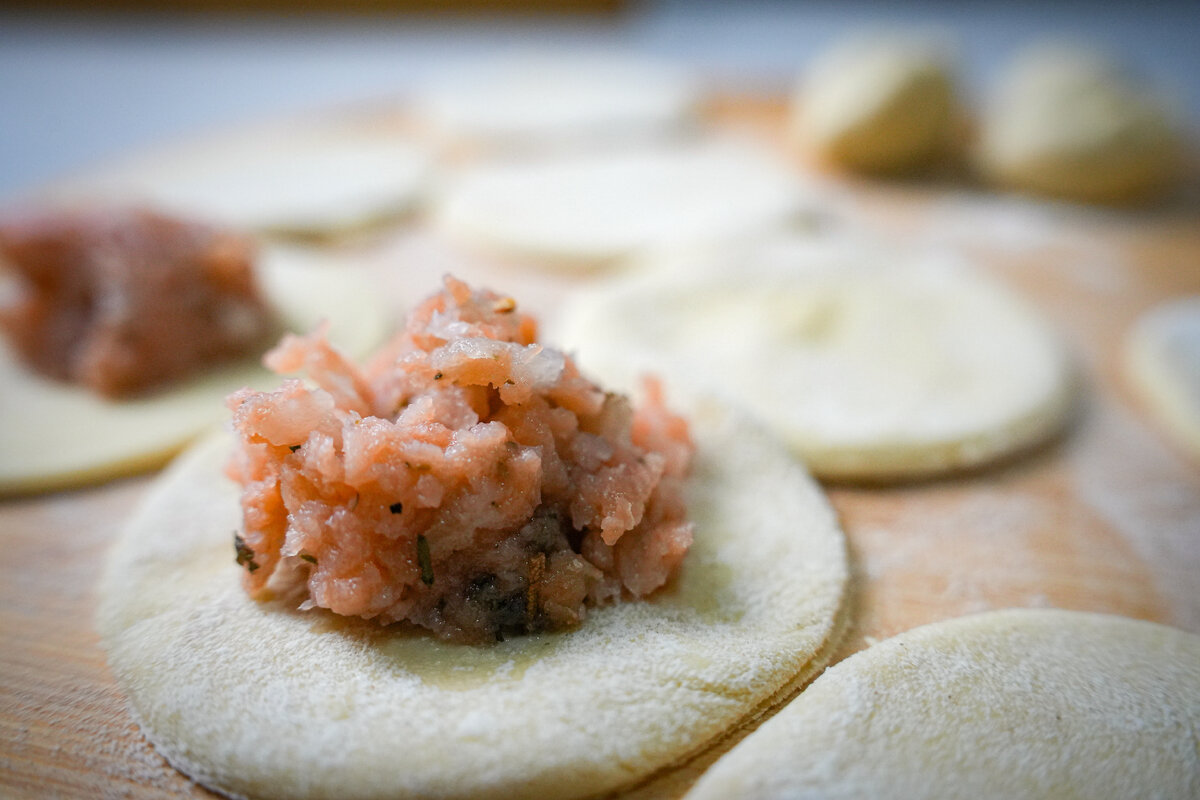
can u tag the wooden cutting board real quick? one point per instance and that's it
(1104, 518)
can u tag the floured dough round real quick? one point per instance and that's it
(54, 435)
(1067, 122)
(1162, 363)
(586, 209)
(882, 103)
(262, 701)
(543, 98)
(295, 178)
(871, 363)
(1031, 704)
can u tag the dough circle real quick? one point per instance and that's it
(871, 364)
(546, 99)
(1019, 703)
(55, 435)
(263, 701)
(1066, 122)
(299, 178)
(1162, 364)
(583, 210)
(879, 104)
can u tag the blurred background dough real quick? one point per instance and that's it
(582, 210)
(545, 99)
(1066, 121)
(306, 178)
(881, 103)
(1162, 365)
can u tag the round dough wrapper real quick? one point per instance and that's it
(1066, 122)
(263, 701)
(1023, 703)
(545, 98)
(583, 210)
(1162, 364)
(55, 435)
(308, 179)
(871, 364)
(882, 104)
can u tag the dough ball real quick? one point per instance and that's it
(880, 104)
(1162, 364)
(1068, 122)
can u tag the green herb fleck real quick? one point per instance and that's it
(308, 558)
(437, 376)
(396, 508)
(424, 560)
(293, 447)
(245, 556)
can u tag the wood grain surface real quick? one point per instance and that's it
(1104, 518)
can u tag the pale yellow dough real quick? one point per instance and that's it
(308, 178)
(581, 210)
(545, 99)
(259, 700)
(1029, 704)
(1162, 364)
(1067, 122)
(55, 435)
(880, 103)
(872, 363)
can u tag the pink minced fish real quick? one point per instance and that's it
(467, 479)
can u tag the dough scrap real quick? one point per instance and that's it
(584, 210)
(55, 435)
(306, 179)
(878, 104)
(546, 99)
(1018, 703)
(871, 364)
(1162, 364)
(1067, 122)
(262, 701)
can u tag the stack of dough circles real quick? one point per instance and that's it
(1019, 703)
(548, 98)
(295, 178)
(878, 104)
(585, 209)
(1067, 122)
(871, 363)
(1162, 364)
(261, 700)
(54, 434)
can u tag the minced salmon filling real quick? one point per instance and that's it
(125, 301)
(467, 479)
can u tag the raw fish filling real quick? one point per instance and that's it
(122, 302)
(467, 479)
